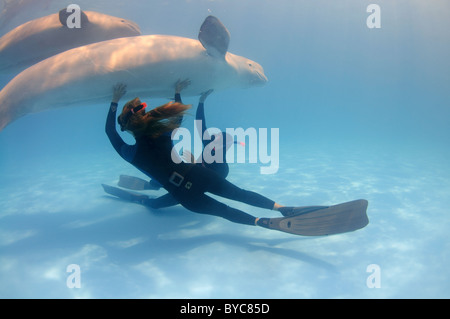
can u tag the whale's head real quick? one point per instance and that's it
(128, 27)
(215, 38)
(250, 73)
(255, 76)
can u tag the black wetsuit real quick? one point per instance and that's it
(186, 183)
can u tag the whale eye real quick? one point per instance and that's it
(249, 64)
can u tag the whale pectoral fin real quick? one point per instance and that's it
(64, 16)
(214, 37)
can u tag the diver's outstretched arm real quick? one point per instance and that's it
(200, 116)
(125, 151)
(179, 86)
(119, 90)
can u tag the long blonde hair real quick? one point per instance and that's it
(160, 120)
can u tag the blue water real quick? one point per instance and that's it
(362, 113)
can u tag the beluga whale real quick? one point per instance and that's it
(42, 38)
(149, 65)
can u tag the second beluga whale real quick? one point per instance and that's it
(42, 38)
(149, 66)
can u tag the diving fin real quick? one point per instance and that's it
(295, 211)
(136, 183)
(337, 219)
(123, 194)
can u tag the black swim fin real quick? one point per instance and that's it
(337, 219)
(138, 184)
(123, 194)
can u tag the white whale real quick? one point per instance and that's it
(42, 38)
(149, 66)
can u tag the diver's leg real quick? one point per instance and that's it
(203, 204)
(164, 201)
(228, 190)
(213, 183)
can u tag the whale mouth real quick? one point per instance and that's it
(261, 78)
(134, 27)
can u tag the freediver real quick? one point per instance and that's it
(186, 183)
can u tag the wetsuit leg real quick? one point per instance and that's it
(164, 201)
(228, 190)
(203, 204)
(207, 180)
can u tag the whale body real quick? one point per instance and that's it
(149, 66)
(42, 38)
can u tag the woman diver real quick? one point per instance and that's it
(185, 183)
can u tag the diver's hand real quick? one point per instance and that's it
(181, 85)
(119, 90)
(204, 95)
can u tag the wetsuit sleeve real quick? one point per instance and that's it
(126, 151)
(178, 100)
(200, 116)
